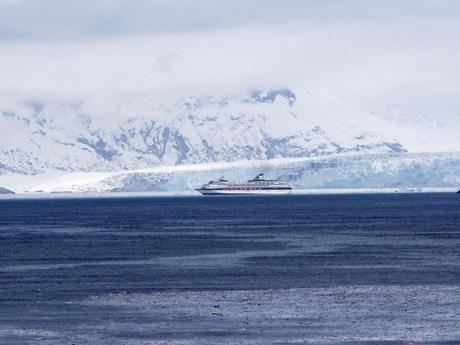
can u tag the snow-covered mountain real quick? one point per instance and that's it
(39, 138)
(59, 138)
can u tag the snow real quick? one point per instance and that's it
(174, 146)
(339, 173)
(39, 138)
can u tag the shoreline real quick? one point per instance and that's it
(156, 194)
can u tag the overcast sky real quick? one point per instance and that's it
(83, 19)
(375, 52)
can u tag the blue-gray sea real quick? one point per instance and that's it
(322, 269)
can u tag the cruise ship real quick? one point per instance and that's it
(257, 186)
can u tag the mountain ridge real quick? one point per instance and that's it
(260, 125)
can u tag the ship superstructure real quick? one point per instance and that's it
(257, 186)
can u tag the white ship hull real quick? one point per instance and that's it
(244, 192)
(256, 186)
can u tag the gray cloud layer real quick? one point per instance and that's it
(373, 53)
(83, 19)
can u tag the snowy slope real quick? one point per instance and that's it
(424, 130)
(39, 138)
(145, 145)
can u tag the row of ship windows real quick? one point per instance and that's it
(243, 188)
(266, 182)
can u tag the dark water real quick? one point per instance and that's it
(56, 255)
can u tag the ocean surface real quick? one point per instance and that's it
(320, 269)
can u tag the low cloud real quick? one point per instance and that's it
(9, 2)
(410, 62)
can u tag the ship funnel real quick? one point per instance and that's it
(259, 177)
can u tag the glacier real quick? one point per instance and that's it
(311, 139)
(398, 172)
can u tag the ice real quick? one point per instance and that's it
(53, 137)
(340, 173)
